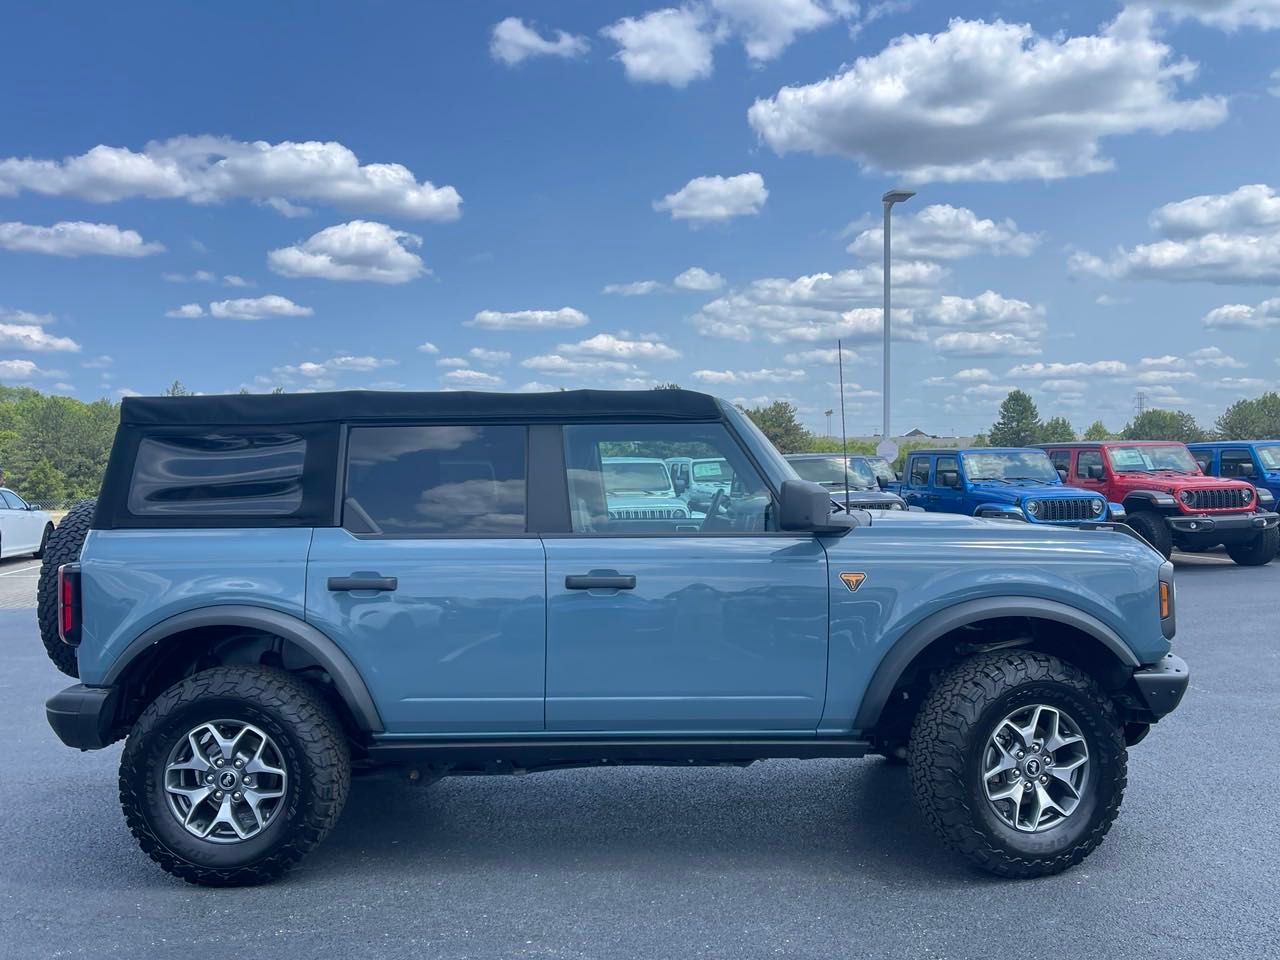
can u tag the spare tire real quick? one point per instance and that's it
(63, 547)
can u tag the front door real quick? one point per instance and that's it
(712, 623)
(948, 499)
(432, 585)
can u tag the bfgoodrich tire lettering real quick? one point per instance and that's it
(63, 546)
(311, 747)
(951, 736)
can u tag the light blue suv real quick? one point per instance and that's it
(274, 591)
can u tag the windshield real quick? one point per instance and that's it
(1164, 456)
(881, 469)
(712, 471)
(1010, 465)
(1270, 457)
(636, 476)
(832, 471)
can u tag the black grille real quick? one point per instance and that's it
(873, 505)
(648, 513)
(1065, 510)
(1220, 498)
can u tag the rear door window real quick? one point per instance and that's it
(436, 481)
(1061, 460)
(1204, 458)
(1086, 460)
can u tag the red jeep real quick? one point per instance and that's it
(1168, 500)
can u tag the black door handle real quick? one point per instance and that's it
(338, 584)
(599, 582)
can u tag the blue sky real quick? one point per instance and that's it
(503, 195)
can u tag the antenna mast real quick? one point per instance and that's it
(844, 436)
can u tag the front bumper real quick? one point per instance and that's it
(1235, 526)
(1160, 687)
(84, 717)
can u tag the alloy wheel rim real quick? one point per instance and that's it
(225, 781)
(1035, 768)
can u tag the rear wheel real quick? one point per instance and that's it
(1152, 528)
(1258, 551)
(61, 546)
(234, 774)
(1018, 761)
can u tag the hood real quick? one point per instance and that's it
(629, 502)
(1019, 490)
(1173, 482)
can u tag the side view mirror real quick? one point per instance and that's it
(804, 506)
(882, 483)
(1062, 474)
(948, 478)
(679, 485)
(1095, 472)
(898, 474)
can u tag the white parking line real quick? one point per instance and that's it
(31, 566)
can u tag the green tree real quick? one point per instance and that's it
(1097, 431)
(980, 440)
(1057, 430)
(1257, 419)
(1163, 425)
(1019, 423)
(176, 389)
(44, 484)
(780, 423)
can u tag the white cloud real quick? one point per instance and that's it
(990, 101)
(672, 46)
(535, 386)
(828, 357)
(358, 250)
(491, 357)
(1242, 385)
(209, 169)
(75, 239)
(127, 392)
(21, 370)
(187, 311)
(513, 41)
(707, 199)
(624, 347)
(528, 319)
(1051, 371)
(637, 288)
(318, 373)
(965, 343)
(1109, 300)
(1227, 15)
(21, 336)
(1064, 386)
(200, 276)
(231, 280)
(472, 378)
(944, 232)
(559, 365)
(1215, 357)
(767, 27)
(1239, 316)
(98, 363)
(1275, 90)
(286, 209)
(8, 315)
(255, 308)
(428, 347)
(750, 376)
(695, 278)
(453, 362)
(1246, 208)
(1167, 362)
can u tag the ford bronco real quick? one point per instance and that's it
(1169, 502)
(275, 592)
(1006, 484)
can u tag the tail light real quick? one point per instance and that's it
(69, 603)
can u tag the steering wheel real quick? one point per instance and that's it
(713, 508)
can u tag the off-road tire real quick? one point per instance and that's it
(946, 756)
(1258, 551)
(312, 746)
(63, 546)
(1151, 527)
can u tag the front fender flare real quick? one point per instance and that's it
(1155, 498)
(917, 638)
(346, 678)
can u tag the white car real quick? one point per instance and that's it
(23, 528)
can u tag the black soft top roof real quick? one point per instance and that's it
(284, 408)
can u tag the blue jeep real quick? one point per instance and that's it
(1256, 461)
(1009, 483)
(274, 592)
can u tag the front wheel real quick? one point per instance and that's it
(234, 774)
(1258, 551)
(1152, 528)
(1018, 761)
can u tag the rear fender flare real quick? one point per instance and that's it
(919, 637)
(346, 678)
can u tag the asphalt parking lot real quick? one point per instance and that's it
(820, 859)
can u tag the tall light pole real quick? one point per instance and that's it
(887, 448)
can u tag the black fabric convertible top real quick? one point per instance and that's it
(298, 408)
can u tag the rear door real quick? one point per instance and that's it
(713, 626)
(432, 585)
(915, 485)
